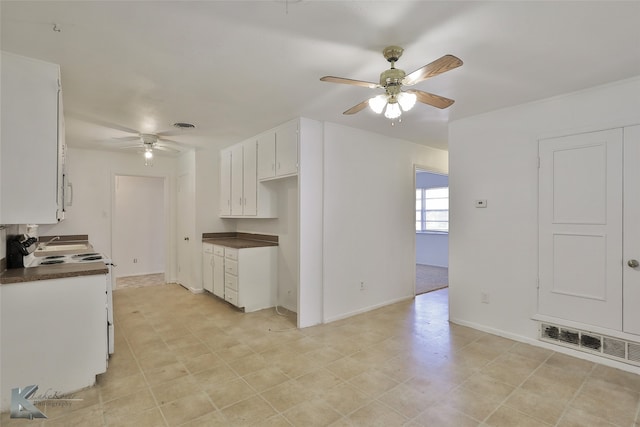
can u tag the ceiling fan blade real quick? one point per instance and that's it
(171, 141)
(357, 108)
(431, 99)
(342, 80)
(126, 138)
(172, 132)
(165, 148)
(439, 66)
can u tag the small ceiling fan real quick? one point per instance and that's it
(395, 99)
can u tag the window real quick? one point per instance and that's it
(432, 209)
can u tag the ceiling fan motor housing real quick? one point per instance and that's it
(392, 79)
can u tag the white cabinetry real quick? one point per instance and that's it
(213, 269)
(250, 277)
(278, 152)
(207, 267)
(240, 193)
(32, 134)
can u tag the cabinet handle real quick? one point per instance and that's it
(278, 165)
(240, 201)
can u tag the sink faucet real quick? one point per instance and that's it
(44, 244)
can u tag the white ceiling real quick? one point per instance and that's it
(236, 68)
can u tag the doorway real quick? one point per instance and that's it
(432, 230)
(139, 226)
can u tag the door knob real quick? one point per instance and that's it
(633, 263)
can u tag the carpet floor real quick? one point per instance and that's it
(430, 278)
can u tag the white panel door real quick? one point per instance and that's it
(580, 226)
(631, 241)
(185, 222)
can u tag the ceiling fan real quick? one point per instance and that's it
(395, 99)
(150, 142)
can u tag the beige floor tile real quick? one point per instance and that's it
(474, 405)
(248, 412)
(508, 417)
(227, 393)
(187, 408)
(174, 389)
(376, 415)
(578, 418)
(488, 387)
(538, 406)
(373, 383)
(265, 378)
(287, 395)
(192, 360)
(443, 416)
(346, 398)
(614, 403)
(312, 413)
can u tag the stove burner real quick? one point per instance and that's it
(54, 257)
(92, 258)
(85, 254)
(53, 261)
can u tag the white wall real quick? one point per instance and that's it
(432, 248)
(138, 229)
(369, 218)
(494, 156)
(92, 173)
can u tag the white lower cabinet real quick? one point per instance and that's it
(250, 277)
(207, 267)
(213, 269)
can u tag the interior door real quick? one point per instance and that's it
(185, 218)
(631, 240)
(580, 228)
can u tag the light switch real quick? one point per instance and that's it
(481, 203)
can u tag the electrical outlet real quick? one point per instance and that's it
(484, 297)
(362, 288)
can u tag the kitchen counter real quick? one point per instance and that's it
(237, 240)
(46, 272)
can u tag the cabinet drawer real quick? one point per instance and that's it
(232, 297)
(231, 267)
(207, 248)
(231, 253)
(230, 282)
(218, 250)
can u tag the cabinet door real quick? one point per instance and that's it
(580, 241)
(225, 182)
(218, 276)
(207, 271)
(30, 128)
(287, 149)
(236, 180)
(249, 178)
(266, 155)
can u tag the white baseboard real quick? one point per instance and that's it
(365, 309)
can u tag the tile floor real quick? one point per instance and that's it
(191, 360)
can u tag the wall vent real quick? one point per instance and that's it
(612, 348)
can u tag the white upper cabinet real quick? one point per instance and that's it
(225, 182)
(240, 193)
(32, 134)
(278, 152)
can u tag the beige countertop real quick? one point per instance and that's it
(240, 240)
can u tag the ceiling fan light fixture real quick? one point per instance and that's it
(148, 154)
(393, 110)
(377, 103)
(407, 100)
